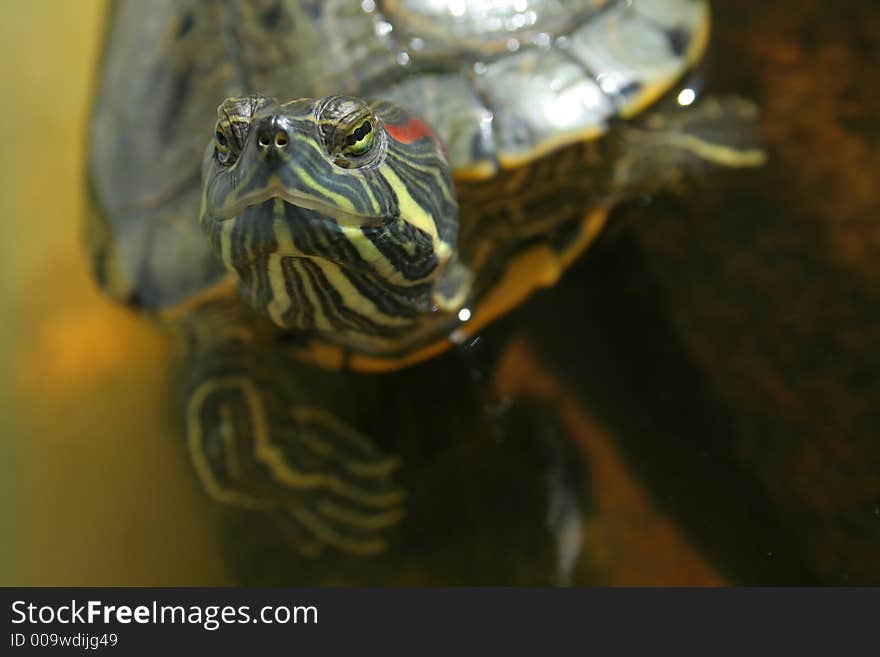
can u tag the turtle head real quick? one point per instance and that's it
(335, 214)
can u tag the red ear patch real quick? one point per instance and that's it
(413, 130)
(410, 131)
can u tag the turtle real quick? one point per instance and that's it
(302, 189)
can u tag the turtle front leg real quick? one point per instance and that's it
(268, 433)
(671, 146)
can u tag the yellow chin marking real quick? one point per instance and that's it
(281, 301)
(351, 296)
(526, 273)
(226, 242)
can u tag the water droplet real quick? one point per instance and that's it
(383, 28)
(687, 97)
(608, 83)
(542, 40)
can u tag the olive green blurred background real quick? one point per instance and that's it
(93, 487)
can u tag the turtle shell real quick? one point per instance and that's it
(502, 82)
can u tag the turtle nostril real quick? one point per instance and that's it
(272, 134)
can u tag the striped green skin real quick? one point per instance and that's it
(269, 433)
(358, 253)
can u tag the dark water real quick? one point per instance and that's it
(771, 287)
(765, 309)
(701, 392)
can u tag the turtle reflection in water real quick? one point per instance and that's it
(381, 182)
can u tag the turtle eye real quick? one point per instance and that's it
(221, 145)
(359, 140)
(351, 132)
